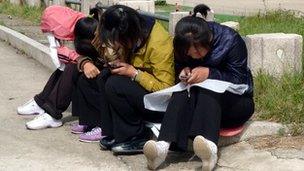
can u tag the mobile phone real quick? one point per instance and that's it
(184, 77)
(113, 65)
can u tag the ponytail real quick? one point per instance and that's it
(96, 12)
(202, 9)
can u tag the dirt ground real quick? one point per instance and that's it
(270, 142)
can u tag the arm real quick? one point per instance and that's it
(235, 67)
(162, 64)
(67, 55)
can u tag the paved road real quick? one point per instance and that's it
(246, 7)
(50, 149)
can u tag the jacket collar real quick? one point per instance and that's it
(150, 21)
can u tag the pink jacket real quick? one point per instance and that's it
(60, 21)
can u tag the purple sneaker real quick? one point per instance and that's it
(95, 135)
(78, 129)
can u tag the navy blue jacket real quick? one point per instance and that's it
(227, 59)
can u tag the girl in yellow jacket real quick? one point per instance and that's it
(113, 97)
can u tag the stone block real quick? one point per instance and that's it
(87, 5)
(109, 2)
(174, 18)
(105, 2)
(210, 15)
(146, 6)
(59, 2)
(232, 24)
(17, 2)
(275, 54)
(47, 2)
(32, 3)
(174, 2)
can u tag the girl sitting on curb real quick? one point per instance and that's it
(144, 64)
(204, 50)
(65, 24)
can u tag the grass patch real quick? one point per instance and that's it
(222, 18)
(29, 13)
(282, 99)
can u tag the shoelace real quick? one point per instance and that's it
(94, 131)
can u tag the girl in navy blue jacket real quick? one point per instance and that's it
(204, 50)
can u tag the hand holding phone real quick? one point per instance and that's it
(114, 64)
(185, 74)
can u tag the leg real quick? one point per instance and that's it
(34, 106)
(177, 123)
(236, 110)
(127, 108)
(207, 115)
(42, 96)
(56, 96)
(174, 125)
(89, 100)
(89, 103)
(128, 114)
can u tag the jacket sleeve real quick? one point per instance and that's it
(234, 68)
(162, 63)
(70, 54)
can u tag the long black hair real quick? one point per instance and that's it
(84, 33)
(124, 25)
(192, 30)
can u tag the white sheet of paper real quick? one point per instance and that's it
(53, 51)
(158, 101)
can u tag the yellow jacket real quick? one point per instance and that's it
(155, 61)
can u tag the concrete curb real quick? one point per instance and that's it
(27, 45)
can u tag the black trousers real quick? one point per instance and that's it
(115, 103)
(127, 115)
(56, 96)
(203, 113)
(88, 100)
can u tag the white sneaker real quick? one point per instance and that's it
(43, 121)
(156, 153)
(29, 108)
(206, 150)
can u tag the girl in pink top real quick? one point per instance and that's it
(61, 23)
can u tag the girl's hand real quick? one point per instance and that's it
(125, 69)
(185, 74)
(90, 70)
(198, 74)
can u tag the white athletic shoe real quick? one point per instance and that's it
(156, 153)
(43, 121)
(30, 108)
(206, 150)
